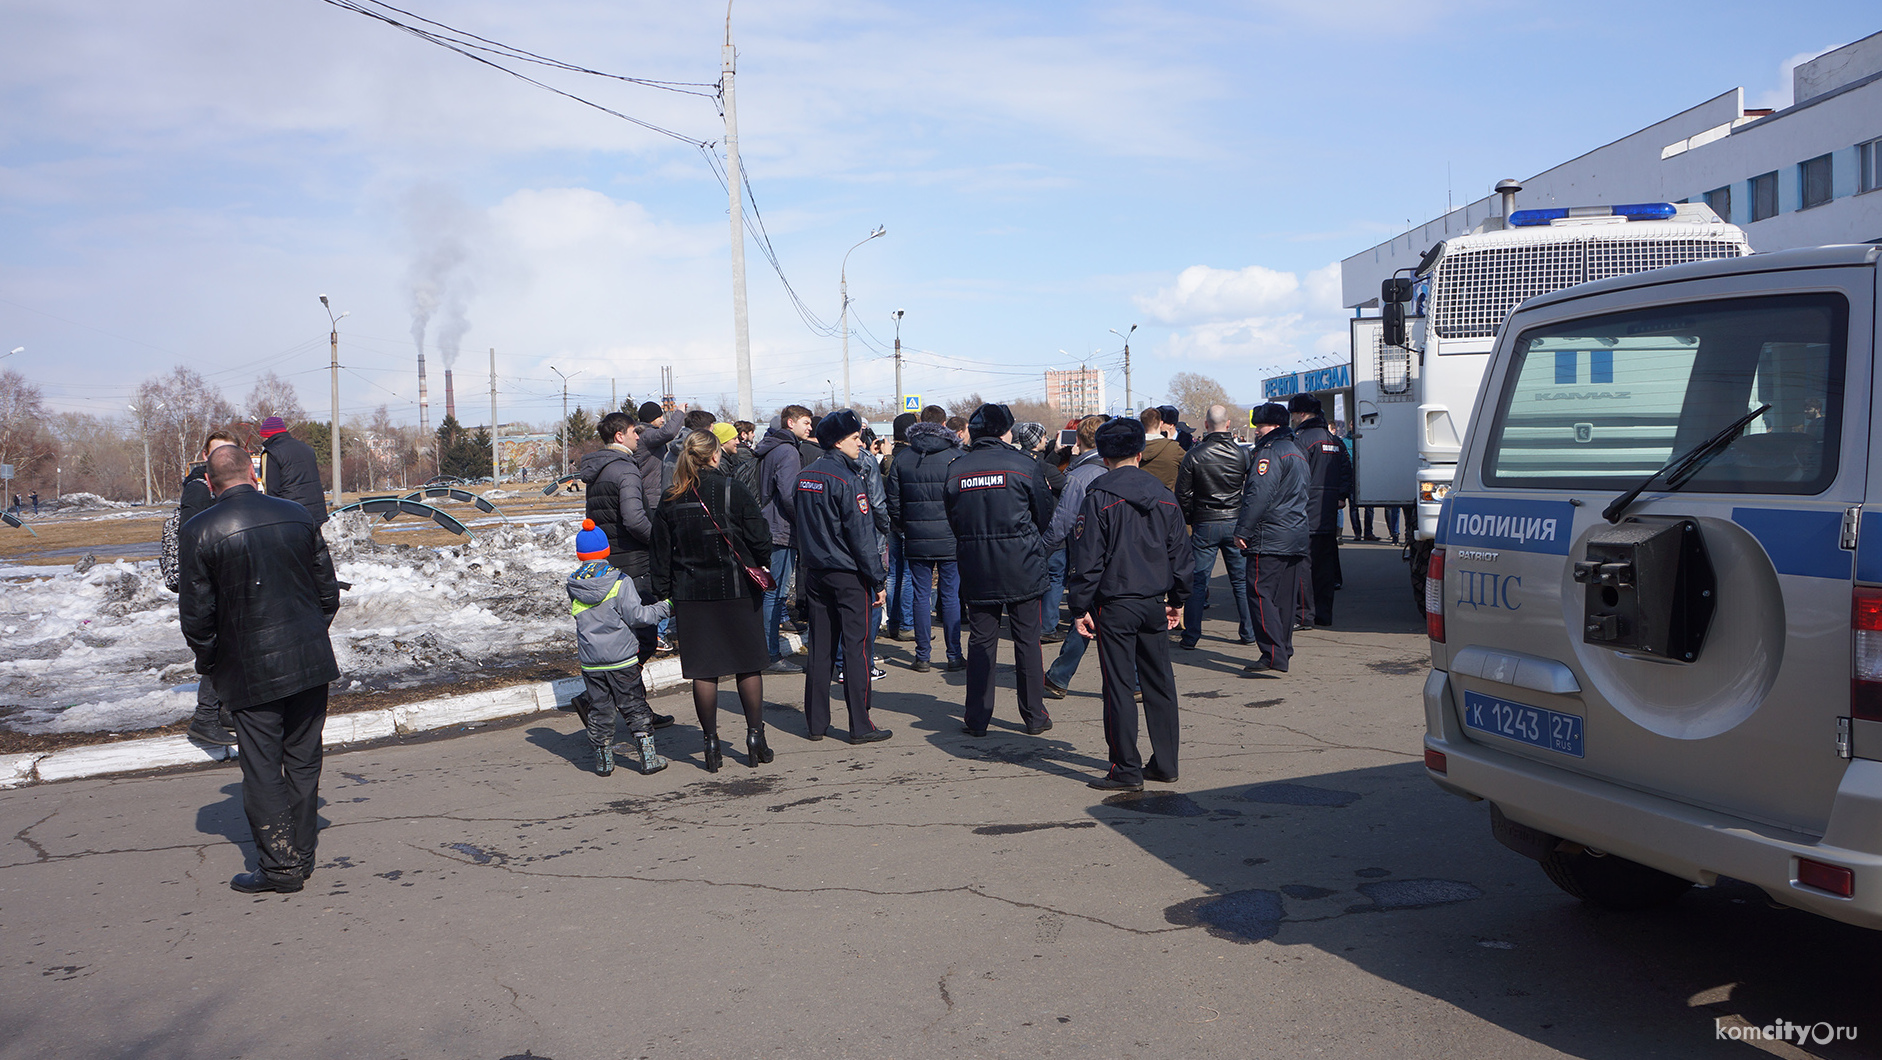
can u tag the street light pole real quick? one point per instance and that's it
(734, 177)
(11, 352)
(1126, 336)
(843, 279)
(565, 417)
(333, 368)
(898, 358)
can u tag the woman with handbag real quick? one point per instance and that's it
(711, 557)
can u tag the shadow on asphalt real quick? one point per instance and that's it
(1340, 862)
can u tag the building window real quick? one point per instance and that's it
(1871, 165)
(1814, 177)
(1764, 196)
(1720, 199)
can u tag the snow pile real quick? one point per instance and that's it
(102, 650)
(84, 502)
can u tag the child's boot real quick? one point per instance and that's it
(650, 760)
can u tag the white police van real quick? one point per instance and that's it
(1655, 601)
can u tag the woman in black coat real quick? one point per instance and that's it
(707, 529)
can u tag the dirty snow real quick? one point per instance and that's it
(101, 650)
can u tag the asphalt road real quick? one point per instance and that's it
(1302, 890)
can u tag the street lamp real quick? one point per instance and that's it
(898, 358)
(843, 279)
(565, 415)
(333, 348)
(143, 424)
(11, 352)
(1126, 336)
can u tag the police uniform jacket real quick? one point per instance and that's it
(1273, 519)
(1210, 479)
(1129, 541)
(835, 521)
(999, 509)
(1330, 475)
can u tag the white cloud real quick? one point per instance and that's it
(1255, 315)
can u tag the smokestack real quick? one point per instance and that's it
(450, 397)
(424, 405)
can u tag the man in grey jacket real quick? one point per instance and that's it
(1086, 467)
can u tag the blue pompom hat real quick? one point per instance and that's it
(591, 543)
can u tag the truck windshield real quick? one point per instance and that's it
(1607, 400)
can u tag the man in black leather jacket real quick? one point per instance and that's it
(844, 577)
(999, 509)
(1209, 486)
(1272, 529)
(258, 595)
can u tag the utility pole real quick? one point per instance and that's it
(614, 397)
(143, 428)
(1126, 336)
(844, 288)
(495, 472)
(565, 418)
(333, 348)
(734, 179)
(898, 360)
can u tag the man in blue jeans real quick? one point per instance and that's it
(918, 513)
(778, 464)
(1209, 485)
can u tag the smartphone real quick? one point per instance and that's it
(1068, 438)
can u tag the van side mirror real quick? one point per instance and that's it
(1395, 289)
(1394, 329)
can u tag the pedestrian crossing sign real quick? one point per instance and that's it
(912, 403)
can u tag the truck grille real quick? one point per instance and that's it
(1476, 288)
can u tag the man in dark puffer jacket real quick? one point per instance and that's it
(290, 469)
(999, 510)
(917, 502)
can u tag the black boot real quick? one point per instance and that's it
(757, 752)
(715, 753)
(604, 760)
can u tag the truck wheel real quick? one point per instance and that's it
(1611, 881)
(1420, 563)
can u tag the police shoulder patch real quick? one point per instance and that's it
(862, 503)
(1078, 528)
(1261, 466)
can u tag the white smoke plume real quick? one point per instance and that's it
(443, 230)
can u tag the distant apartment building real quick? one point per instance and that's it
(1806, 175)
(1079, 392)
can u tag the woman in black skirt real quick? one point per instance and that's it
(706, 532)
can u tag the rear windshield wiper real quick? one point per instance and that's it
(1678, 471)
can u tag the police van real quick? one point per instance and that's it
(1655, 598)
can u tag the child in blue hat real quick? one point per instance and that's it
(606, 608)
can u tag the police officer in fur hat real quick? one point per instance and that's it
(836, 535)
(999, 507)
(1128, 579)
(1272, 530)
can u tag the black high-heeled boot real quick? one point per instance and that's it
(715, 753)
(757, 752)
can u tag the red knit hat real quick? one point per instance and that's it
(590, 543)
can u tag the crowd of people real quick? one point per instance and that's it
(701, 536)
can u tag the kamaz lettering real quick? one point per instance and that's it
(1586, 395)
(1511, 527)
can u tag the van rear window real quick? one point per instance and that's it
(1605, 401)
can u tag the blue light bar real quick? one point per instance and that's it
(1638, 211)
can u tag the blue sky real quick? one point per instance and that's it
(178, 181)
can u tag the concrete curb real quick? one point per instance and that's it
(342, 730)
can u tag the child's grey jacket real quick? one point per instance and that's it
(606, 608)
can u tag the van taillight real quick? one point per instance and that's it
(1865, 685)
(1434, 597)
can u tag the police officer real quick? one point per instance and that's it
(1128, 578)
(1329, 483)
(999, 508)
(836, 533)
(1272, 530)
